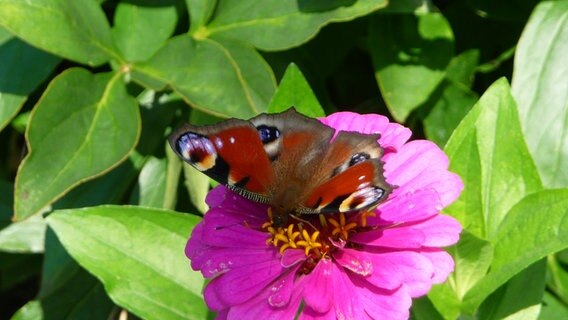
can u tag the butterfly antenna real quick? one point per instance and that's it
(295, 217)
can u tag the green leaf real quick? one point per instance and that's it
(410, 54)
(408, 6)
(157, 110)
(197, 185)
(137, 253)
(238, 82)
(294, 91)
(157, 182)
(488, 151)
(67, 290)
(83, 126)
(108, 188)
(22, 69)
(422, 309)
(461, 68)
(536, 227)
(141, 28)
(540, 87)
(30, 311)
(24, 236)
(200, 12)
(76, 30)
(450, 103)
(472, 258)
(519, 298)
(273, 25)
(553, 308)
(558, 277)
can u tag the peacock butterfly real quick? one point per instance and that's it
(291, 162)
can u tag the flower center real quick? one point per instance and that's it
(317, 235)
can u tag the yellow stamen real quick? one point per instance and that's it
(340, 227)
(309, 243)
(364, 216)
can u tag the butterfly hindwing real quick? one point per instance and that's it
(355, 176)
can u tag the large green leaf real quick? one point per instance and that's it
(68, 291)
(83, 125)
(519, 298)
(294, 91)
(410, 54)
(282, 24)
(540, 86)
(536, 227)
(488, 151)
(141, 28)
(138, 255)
(76, 30)
(22, 69)
(238, 82)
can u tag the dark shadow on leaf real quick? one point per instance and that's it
(407, 46)
(151, 3)
(323, 5)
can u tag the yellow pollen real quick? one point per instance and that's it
(309, 243)
(364, 216)
(340, 227)
(289, 238)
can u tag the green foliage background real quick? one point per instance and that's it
(94, 206)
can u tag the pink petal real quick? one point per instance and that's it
(244, 282)
(442, 262)
(440, 231)
(259, 308)
(221, 260)
(347, 305)
(354, 260)
(216, 196)
(415, 269)
(213, 300)
(421, 164)
(292, 257)
(222, 315)
(396, 237)
(381, 303)
(280, 291)
(393, 135)
(237, 208)
(217, 231)
(310, 314)
(318, 287)
(405, 207)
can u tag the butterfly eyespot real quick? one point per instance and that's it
(358, 157)
(197, 150)
(268, 134)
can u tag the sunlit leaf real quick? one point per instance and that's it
(83, 126)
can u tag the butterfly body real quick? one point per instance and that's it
(288, 161)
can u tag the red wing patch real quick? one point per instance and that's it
(350, 190)
(242, 150)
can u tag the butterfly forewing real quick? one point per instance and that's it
(230, 152)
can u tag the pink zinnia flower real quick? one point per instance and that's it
(363, 265)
